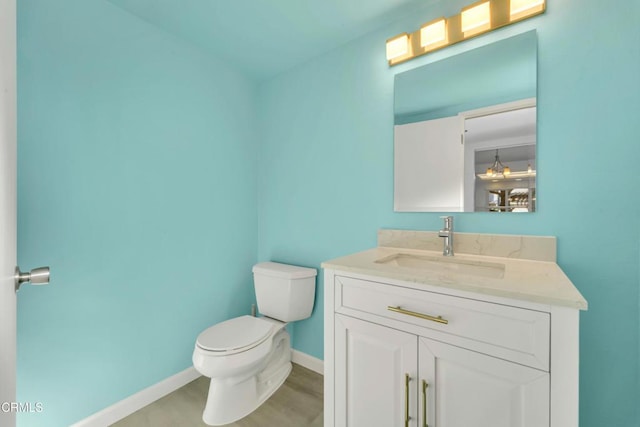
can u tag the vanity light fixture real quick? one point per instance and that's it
(473, 20)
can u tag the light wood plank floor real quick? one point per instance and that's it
(297, 403)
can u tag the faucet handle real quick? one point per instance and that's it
(448, 221)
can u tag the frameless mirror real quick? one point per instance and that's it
(465, 131)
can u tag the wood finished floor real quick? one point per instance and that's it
(297, 403)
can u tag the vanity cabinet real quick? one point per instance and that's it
(399, 353)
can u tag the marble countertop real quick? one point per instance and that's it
(523, 279)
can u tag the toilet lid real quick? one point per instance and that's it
(234, 334)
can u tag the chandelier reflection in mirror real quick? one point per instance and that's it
(498, 171)
(497, 168)
(475, 19)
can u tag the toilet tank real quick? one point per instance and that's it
(284, 292)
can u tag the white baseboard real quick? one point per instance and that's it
(309, 362)
(131, 404)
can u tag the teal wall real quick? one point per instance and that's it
(137, 185)
(327, 174)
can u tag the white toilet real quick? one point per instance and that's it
(248, 358)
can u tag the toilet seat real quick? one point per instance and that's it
(235, 335)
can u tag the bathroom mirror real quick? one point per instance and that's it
(451, 116)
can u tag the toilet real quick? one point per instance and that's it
(248, 358)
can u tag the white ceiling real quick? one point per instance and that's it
(262, 38)
(510, 125)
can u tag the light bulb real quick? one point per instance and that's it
(519, 9)
(434, 34)
(476, 19)
(397, 46)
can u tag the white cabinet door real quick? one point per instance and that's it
(466, 388)
(371, 362)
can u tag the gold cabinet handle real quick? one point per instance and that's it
(424, 403)
(407, 378)
(438, 319)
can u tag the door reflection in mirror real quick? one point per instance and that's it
(500, 159)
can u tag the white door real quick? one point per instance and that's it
(7, 210)
(372, 363)
(466, 388)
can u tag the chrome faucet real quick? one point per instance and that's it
(447, 234)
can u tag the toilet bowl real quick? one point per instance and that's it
(248, 358)
(232, 354)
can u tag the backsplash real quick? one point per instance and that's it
(537, 248)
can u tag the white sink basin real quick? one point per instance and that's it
(444, 265)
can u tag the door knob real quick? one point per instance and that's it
(37, 276)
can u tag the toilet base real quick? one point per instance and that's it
(230, 399)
